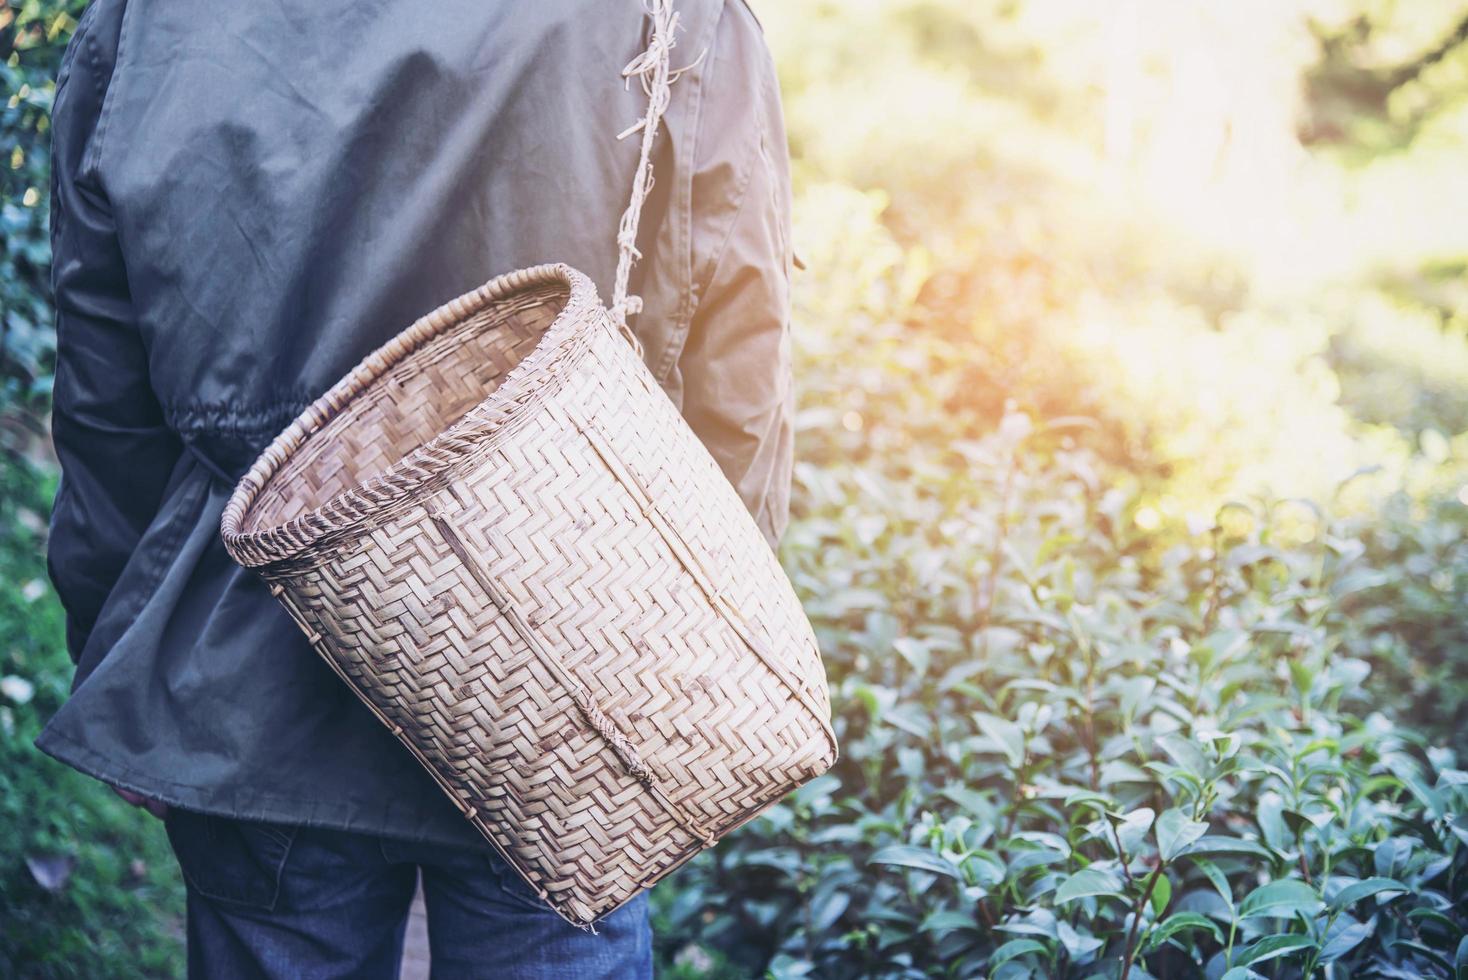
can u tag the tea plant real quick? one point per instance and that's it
(1077, 744)
(1078, 741)
(1070, 754)
(32, 38)
(88, 886)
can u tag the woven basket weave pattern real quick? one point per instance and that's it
(440, 383)
(502, 534)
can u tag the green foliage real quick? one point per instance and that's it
(1402, 609)
(32, 37)
(1074, 747)
(87, 883)
(1082, 735)
(88, 886)
(1384, 74)
(1403, 364)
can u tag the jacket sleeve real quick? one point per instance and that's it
(115, 451)
(736, 364)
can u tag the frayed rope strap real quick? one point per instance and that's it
(651, 68)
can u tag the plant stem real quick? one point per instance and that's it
(1314, 960)
(1130, 952)
(1091, 719)
(996, 555)
(1300, 845)
(1019, 784)
(1212, 600)
(810, 925)
(1121, 853)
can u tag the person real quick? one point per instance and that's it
(248, 199)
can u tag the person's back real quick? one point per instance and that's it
(247, 200)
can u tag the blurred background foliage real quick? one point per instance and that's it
(1130, 510)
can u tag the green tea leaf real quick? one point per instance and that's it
(1282, 898)
(919, 858)
(1270, 814)
(1076, 944)
(972, 801)
(1217, 879)
(1176, 830)
(1086, 882)
(947, 921)
(1184, 753)
(1345, 936)
(1296, 821)
(915, 652)
(1427, 951)
(1174, 924)
(910, 718)
(1239, 973)
(1392, 855)
(1161, 895)
(1216, 844)
(1422, 914)
(1271, 947)
(1131, 829)
(1006, 735)
(1012, 949)
(1354, 893)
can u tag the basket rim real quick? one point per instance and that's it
(432, 458)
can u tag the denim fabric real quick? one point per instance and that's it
(268, 900)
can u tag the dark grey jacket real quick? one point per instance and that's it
(249, 198)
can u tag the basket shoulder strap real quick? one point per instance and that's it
(653, 70)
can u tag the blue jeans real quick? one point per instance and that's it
(275, 900)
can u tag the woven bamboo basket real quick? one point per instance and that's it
(499, 531)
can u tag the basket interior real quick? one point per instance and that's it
(416, 398)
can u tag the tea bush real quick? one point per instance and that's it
(32, 38)
(1404, 611)
(1077, 746)
(1082, 735)
(88, 886)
